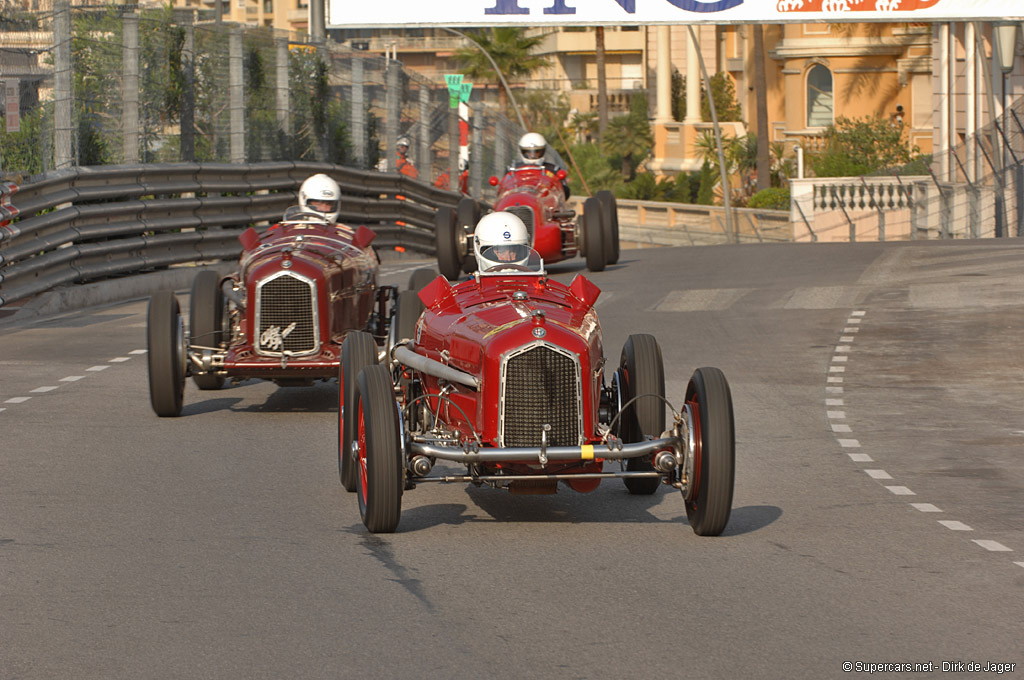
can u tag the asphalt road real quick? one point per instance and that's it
(877, 516)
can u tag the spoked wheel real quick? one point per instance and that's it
(710, 471)
(165, 340)
(593, 234)
(467, 214)
(357, 352)
(420, 278)
(381, 472)
(206, 322)
(610, 224)
(449, 261)
(641, 372)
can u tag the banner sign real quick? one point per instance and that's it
(385, 13)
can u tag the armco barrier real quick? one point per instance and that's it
(91, 223)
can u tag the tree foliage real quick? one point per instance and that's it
(629, 137)
(726, 106)
(509, 47)
(860, 146)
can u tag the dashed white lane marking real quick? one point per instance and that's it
(849, 443)
(954, 525)
(925, 507)
(878, 474)
(840, 427)
(858, 313)
(137, 351)
(861, 458)
(838, 415)
(72, 378)
(994, 546)
(837, 369)
(851, 330)
(117, 360)
(3, 409)
(900, 491)
(45, 388)
(97, 368)
(832, 389)
(833, 402)
(1019, 564)
(834, 379)
(846, 338)
(17, 400)
(839, 358)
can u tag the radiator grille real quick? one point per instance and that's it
(525, 213)
(286, 316)
(541, 385)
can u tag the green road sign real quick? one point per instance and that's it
(464, 92)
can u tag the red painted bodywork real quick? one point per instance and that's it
(540, 189)
(472, 325)
(344, 268)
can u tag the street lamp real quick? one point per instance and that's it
(1006, 35)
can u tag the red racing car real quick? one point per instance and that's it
(505, 375)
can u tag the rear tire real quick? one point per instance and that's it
(420, 278)
(709, 498)
(467, 214)
(206, 322)
(408, 308)
(357, 352)
(593, 235)
(165, 341)
(642, 372)
(381, 469)
(448, 261)
(611, 225)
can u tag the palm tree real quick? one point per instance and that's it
(511, 50)
(628, 137)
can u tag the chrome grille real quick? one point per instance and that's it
(286, 318)
(540, 385)
(525, 213)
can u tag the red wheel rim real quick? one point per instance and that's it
(698, 451)
(362, 452)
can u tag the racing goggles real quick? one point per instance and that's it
(322, 206)
(533, 154)
(504, 253)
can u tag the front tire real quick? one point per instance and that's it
(467, 214)
(408, 308)
(357, 352)
(708, 496)
(642, 372)
(165, 341)
(610, 224)
(206, 322)
(381, 472)
(448, 261)
(593, 235)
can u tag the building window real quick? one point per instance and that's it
(819, 97)
(268, 6)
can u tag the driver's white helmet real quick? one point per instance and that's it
(500, 238)
(532, 147)
(321, 188)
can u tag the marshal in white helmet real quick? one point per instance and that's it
(321, 194)
(500, 238)
(532, 147)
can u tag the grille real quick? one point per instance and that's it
(541, 386)
(286, 316)
(525, 213)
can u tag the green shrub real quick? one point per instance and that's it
(775, 198)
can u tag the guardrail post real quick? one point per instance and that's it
(476, 156)
(358, 111)
(284, 122)
(500, 132)
(62, 152)
(423, 155)
(130, 88)
(393, 111)
(236, 96)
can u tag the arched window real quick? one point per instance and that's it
(819, 96)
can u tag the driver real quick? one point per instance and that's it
(532, 148)
(500, 238)
(322, 195)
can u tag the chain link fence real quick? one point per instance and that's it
(99, 85)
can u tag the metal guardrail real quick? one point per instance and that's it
(89, 223)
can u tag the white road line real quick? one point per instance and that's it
(117, 360)
(837, 415)
(837, 369)
(849, 443)
(861, 313)
(853, 321)
(878, 474)
(1019, 564)
(954, 525)
(840, 427)
(17, 400)
(925, 507)
(840, 358)
(834, 379)
(860, 458)
(842, 348)
(45, 388)
(994, 546)
(851, 330)
(834, 390)
(901, 491)
(833, 402)
(72, 378)
(137, 351)
(97, 368)
(3, 409)
(846, 338)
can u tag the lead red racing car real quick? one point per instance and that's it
(504, 374)
(535, 194)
